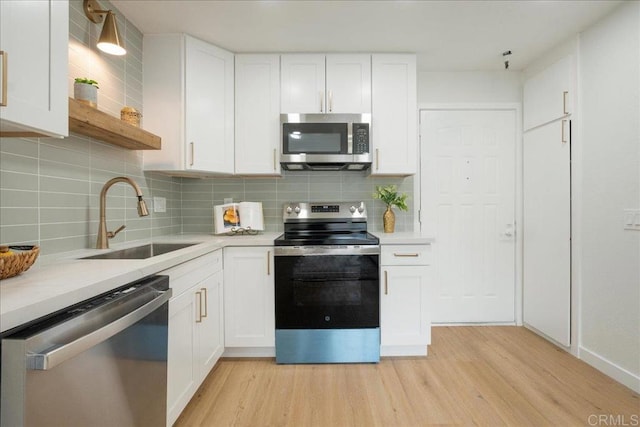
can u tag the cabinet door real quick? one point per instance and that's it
(348, 83)
(404, 306)
(257, 139)
(209, 318)
(182, 372)
(208, 107)
(34, 38)
(249, 317)
(547, 231)
(302, 84)
(548, 94)
(394, 112)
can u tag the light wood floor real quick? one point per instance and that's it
(487, 376)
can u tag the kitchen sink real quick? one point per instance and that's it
(142, 252)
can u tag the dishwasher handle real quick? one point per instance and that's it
(50, 359)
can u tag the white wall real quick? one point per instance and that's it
(469, 87)
(609, 69)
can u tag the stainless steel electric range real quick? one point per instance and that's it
(327, 289)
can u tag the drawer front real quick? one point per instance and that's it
(187, 274)
(406, 255)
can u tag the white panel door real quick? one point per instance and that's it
(468, 204)
(547, 231)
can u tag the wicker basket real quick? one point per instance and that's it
(21, 258)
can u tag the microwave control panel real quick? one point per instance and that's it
(360, 138)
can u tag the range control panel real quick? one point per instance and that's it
(320, 210)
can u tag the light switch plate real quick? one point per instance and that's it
(631, 219)
(228, 200)
(159, 204)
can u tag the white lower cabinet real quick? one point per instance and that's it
(405, 315)
(249, 300)
(196, 334)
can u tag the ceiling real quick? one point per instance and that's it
(453, 35)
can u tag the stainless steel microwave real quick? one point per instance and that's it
(326, 142)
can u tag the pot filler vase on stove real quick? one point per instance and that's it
(327, 289)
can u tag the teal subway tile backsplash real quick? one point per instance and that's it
(197, 216)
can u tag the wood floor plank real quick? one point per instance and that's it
(486, 376)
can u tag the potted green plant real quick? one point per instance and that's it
(390, 196)
(86, 91)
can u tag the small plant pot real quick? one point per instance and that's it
(86, 93)
(389, 220)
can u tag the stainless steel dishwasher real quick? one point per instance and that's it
(102, 362)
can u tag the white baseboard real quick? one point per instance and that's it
(403, 350)
(249, 352)
(609, 368)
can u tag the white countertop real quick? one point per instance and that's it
(404, 238)
(60, 280)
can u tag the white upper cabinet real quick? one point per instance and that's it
(348, 84)
(257, 103)
(394, 114)
(189, 102)
(34, 39)
(315, 83)
(548, 95)
(302, 83)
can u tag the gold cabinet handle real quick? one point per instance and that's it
(199, 313)
(564, 140)
(204, 295)
(274, 159)
(192, 153)
(406, 255)
(386, 283)
(564, 102)
(268, 263)
(321, 101)
(3, 97)
(330, 101)
(377, 157)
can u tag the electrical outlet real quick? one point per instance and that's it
(159, 204)
(228, 200)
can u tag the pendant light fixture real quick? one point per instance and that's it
(110, 41)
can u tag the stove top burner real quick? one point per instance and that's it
(326, 223)
(351, 239)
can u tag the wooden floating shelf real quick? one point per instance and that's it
(92, 122)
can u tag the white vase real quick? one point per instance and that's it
(86, 93)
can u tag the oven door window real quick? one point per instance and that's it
(317, 138)
(326, 292)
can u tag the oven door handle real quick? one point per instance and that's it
(333, 280)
